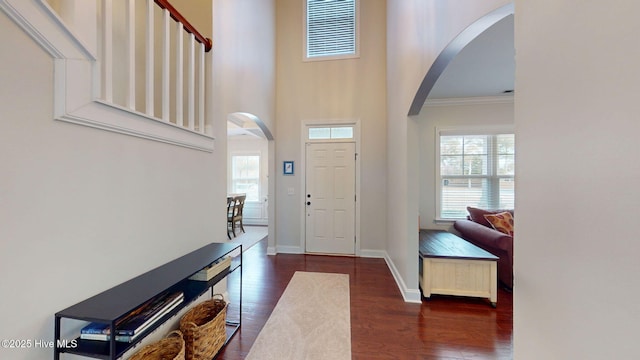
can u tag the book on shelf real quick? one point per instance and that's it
(140, 321)
(106, 337)
(137, 321)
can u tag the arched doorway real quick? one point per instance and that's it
(248, 164)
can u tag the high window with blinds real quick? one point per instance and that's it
(475, 170)
(331, 29)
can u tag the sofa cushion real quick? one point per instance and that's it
(477, 215)
(502, 222)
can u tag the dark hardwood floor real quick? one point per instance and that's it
(383, 326)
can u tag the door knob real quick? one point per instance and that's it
(308, 202)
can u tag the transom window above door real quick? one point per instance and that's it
(330, 133)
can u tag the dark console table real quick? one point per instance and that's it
(112, 304)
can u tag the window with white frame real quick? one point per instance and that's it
(245, 176)
(342, 132)
(475, 170)
(331, 28)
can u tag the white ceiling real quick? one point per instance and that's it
(243, 126)
(485, 67)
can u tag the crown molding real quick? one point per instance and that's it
(478, 100)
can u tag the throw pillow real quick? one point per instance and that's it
(502, 222)
(477, 215)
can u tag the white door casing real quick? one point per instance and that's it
(330, 198)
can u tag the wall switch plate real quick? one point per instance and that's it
(291, 191)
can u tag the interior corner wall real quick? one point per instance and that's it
(417, 32)
(244, 59)
(576, 247)
(463, 115)
(84, 209)
(347, 89)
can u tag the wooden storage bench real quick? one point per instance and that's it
(449, 265)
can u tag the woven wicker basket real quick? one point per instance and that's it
(169, 348)
(204, 329)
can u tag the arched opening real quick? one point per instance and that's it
(452, 50)
(248, 162)
(464, 102)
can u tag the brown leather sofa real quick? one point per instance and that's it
(478, 231)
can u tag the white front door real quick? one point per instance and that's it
(330, 198)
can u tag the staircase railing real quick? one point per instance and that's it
(123, 66)
(172, 59)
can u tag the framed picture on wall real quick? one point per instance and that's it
(287, 168)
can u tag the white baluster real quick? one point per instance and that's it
(191, 83)
(166, 45)
(107, 50)
(131, 54)
(149, 60)
(201, 79)
(179, 74)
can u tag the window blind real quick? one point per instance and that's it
(475, 170)
(331, 27)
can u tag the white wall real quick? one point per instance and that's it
(417, 31)
(463, 114)
(576, 113)
(84, 209)
(244, 70)
(352, 89)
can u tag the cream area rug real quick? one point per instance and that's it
(312, 320)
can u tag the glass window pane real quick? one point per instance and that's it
(451, 165)
(506, 165)
(457, 194)
(319, 133)
(507, 194)
(475, 165)
(451, 145)
(475, 145)
(506, 144)
(344, 132)
(245, 172)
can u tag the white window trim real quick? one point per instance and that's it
(484, 130)
(330, 126)
(355, 55)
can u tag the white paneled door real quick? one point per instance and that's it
(330, 198)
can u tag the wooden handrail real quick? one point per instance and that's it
(175, 15)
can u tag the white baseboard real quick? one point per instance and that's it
(284, 249)
(409, 295)
(375, 254)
